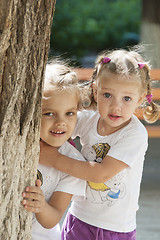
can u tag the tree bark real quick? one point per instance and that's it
(150, 30)
(25, 27)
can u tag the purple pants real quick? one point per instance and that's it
(75, 229)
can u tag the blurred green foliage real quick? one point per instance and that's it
(81, 27)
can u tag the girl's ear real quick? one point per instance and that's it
(141, 99)
(94, 86)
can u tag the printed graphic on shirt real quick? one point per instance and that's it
(39, 176)
(109, 191)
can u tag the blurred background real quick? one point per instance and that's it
(80, 30)
(83, 28)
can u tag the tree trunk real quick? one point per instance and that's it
(24, 39)
(150, 30)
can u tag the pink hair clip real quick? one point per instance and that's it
(141, 65)
(149, 98)
(105, 60)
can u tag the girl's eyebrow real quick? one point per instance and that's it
(50, 110)
(105, 88)
(124, 93)
(74, 108)
(47, 109)
(129, 93)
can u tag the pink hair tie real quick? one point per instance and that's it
(105, 60)
(141, 65)
(149, 98)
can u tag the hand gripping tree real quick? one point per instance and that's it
(24, 42)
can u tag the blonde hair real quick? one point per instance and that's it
(127, 62)
(60, 76)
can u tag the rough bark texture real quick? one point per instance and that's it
(24, 40)
(150, 30)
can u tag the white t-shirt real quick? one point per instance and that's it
(54, 180)
(112, 205)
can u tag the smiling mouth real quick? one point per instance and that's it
(57, 132)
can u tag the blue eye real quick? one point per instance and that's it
(107, 95)
(48, 114)
(69, 113)
(127, 99)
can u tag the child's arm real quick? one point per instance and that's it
(90, 171)
(47, 214)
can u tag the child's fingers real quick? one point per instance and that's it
(33, 189)
(34, 200)
(32, 206)
(32, 195)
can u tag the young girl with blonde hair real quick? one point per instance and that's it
(61, 100)
(114, 143)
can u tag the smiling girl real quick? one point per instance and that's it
(61, 100)
(114, 142)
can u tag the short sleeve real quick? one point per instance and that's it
(67, 183)
(130, 146)
(85, 120)
(81, 116)
(71, 185)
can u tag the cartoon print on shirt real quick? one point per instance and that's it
(39, 176)
(109, 191)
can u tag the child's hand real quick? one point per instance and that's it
(48, 154)
(34, 200)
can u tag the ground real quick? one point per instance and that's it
(148, 216)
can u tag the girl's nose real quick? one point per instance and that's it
(59, 122)
(116, 105)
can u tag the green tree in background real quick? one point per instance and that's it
(81, 27)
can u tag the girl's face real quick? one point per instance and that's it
(117, 98)
(59, 116)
